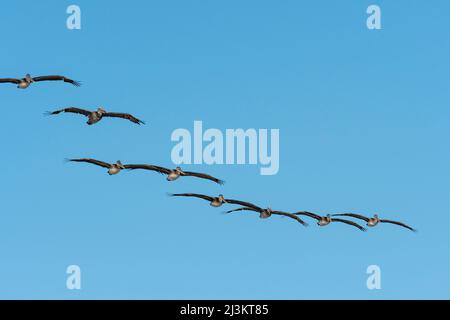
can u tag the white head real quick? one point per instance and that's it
(100, 110)
(221, 198)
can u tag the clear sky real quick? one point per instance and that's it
(364, 119)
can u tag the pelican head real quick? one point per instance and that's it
(178, 170)
(101, 111)
(120, 165)
(328, 217)
(222, 198)
(28, 78)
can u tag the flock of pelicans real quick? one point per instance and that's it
(174, 174)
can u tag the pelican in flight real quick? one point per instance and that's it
(214, 201)
(25, 82)
(113, 168)
(266, 213)
(173, 174)
(97, 115)
(372, 222)
(326, 220)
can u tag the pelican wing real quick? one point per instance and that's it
(57, 78)
(70, 110)
(123, 116)
(241, 203)
(398, 223)
(195, 195)
(147, 167)
(351, 223)
(353, 215)
(245, 209)
(290, 215)
(92, 161)
(308, 214)
(202, 176)
(10, 80)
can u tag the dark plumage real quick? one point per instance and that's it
(113, 168)
(173, 174)
(25, 82)
(97, 115)
(266, 213)
(372, 222)
(326, 220)
(214, 201)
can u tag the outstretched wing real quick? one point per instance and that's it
(353, 215)
(241, 203)
(195, 195)
(290, 215)
(71, 110)
(57, 78)
(308, 214)
(243, 209)
(92, 161)
(147, 167)
(202, 176)
(399, 224)
(123, 116)
(10, 80)
(351, 223)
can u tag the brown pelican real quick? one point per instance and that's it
(113, 168)
(214, 201)
(97, 115)
(25, 82)
(372, 222)
(173, 174)
(266, 213)
(326, 220)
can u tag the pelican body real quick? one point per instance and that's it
(372, 222)
(25, 82)
(174, 174)
(218, 201)
(115, 168)
(326, 220)
(375, 220)
(265, 213)
(96, 116)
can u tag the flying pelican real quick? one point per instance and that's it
(97, 115)
(113, 168)
(323, 221)
(214, 201)
(25, 82)
(266, 213)
(173, 174)
(372, 222)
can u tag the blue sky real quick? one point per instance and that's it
(364, 126)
